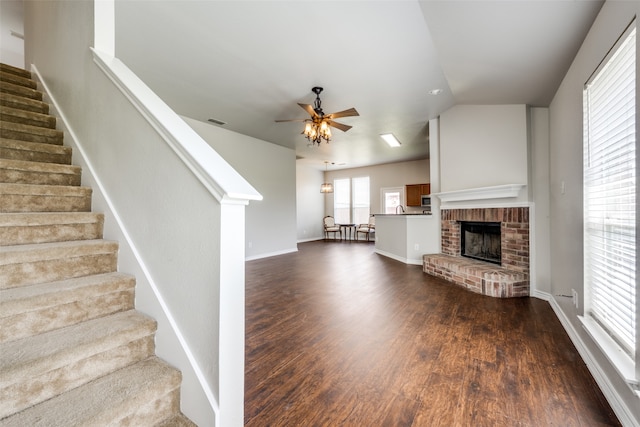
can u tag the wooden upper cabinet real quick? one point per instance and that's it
(414, 193)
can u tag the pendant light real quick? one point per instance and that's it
(326, 187)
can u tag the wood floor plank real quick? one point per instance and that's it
(337, 335)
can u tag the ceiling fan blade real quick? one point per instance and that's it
(309, 109)
(346, 113)
(291, 120)
(340, 126)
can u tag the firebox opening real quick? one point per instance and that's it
(481, 240)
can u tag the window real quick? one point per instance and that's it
(609, 178)
(361, 200)
(342, 200)
(351, 200)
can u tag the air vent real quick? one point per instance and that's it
(216, 122)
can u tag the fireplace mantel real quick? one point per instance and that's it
(495, 192)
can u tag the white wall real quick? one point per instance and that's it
(382, 176)
(539, 193)
(566, 208)
(270, 169)
(309, 203)
(11, 25)
(483, 146)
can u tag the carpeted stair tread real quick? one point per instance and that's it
(57, 361)
(34, 151)
(29, 310)
(18, 115)
(22, 103)
(18, 90)
(178, 421)
(15, 70)
(26, 358)
(46, 227)
(44, 198)
(26, 172)
(22, 132)
(22, 265)
(125, 397)
(16, 79)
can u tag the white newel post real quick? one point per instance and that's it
(232, 302)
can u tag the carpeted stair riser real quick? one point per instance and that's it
(15, 115)
(5, 68)
(25, 172)
(9, 130)
(17, 90)
(44, 198)
(132, 396)
(46, 227)
(22, 103)
(30, 310)
(60, 360)
(12, 149)
(15, 79)
(47, 262)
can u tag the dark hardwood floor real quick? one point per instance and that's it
(337, 335)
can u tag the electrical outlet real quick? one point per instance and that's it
(416, 247)
(250, 245)
(574, 295)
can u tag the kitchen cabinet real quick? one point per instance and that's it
(413, 193)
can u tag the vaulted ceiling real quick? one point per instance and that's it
(248, 63)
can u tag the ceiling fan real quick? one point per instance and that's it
(317, 127)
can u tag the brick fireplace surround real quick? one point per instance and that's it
(510, 279)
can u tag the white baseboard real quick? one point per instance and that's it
(312, 239)
(399, 258)
(270, 254)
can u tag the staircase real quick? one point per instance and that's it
(73, 351)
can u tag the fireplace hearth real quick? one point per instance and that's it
(508, 279)
(481, 240)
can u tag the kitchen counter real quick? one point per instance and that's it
(406, 237)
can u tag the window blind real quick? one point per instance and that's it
(341, 200)
(361, 200)
(610, 193)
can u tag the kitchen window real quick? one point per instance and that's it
(351, 200)
(610, 194)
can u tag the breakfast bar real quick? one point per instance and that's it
(407, 237)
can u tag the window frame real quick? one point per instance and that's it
(625, 358)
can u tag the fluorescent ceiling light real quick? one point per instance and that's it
(390, 139)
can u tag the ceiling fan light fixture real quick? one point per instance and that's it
(317, 131)
(390, 139)
(318, 127)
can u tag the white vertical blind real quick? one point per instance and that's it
(610, 194)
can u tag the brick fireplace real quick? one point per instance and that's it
(510, 278)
